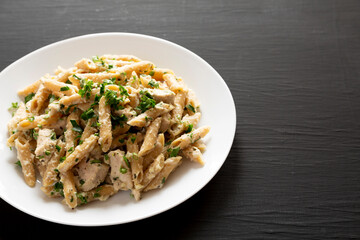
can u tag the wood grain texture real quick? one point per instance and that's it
(293, 68)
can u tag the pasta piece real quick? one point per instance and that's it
(32, 88)
(192, 100)
(59, 88)
(159, 73)
(193, 153)
(11, 140)
(105, 139)
(101, 193)
(173, 83)
(70, 134)
(179, 106)
(89, 129)
(187, 124)
(154, 168)
(38, 101)
(130, 58)
(19, 115)
(88, 65)
(152, 113)
(158, 149)
(79, 153)
(63, 76)
(169, 166)
(134, 80)
(145, 81)
(121, 73)
(135, 160)
(67, 178)
(150, 137)
(166, 122)
(26, 159)
(186, 139)
(43, 120)
(73, 99)
(200, 145)
(117, 63)
(50, 175)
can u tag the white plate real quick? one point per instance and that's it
(217, 107)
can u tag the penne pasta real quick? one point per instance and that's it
(110, 123)
(78, 154)
(150, 137)
(169, 166)
(105, 139)
(26, 159)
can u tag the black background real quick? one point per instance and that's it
(293, 68)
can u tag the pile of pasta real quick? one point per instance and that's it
(111, 123)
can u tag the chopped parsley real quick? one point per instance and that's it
(113, 100)
(123, 91)
(133, 138)
(47, 152)
(63, 89)
(174, 151)
(86, 87)
(96, 100)
(123, 170)
(118, 120)
(58, 148)
(82, 198)
(71, 150)
(18, 163)
(95, 161)
(189, 128)
(96, 59)
(53, 136)
(153, 84)
(146, 101)
(82, 182)
(33, 134)
(52, 98)
(126, 160)
(29, 97)
(191, 108)
(88, 114)
(15, 105)
(76, 126)
(76, 77)
(31, 119)
(62, 159)
(151, 73)
(163, 180)
(13, 108)
(59, 187)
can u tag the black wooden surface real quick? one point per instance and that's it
(293, 68)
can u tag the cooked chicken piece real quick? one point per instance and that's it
(46, 141)
(91, 173)
(120, 172)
